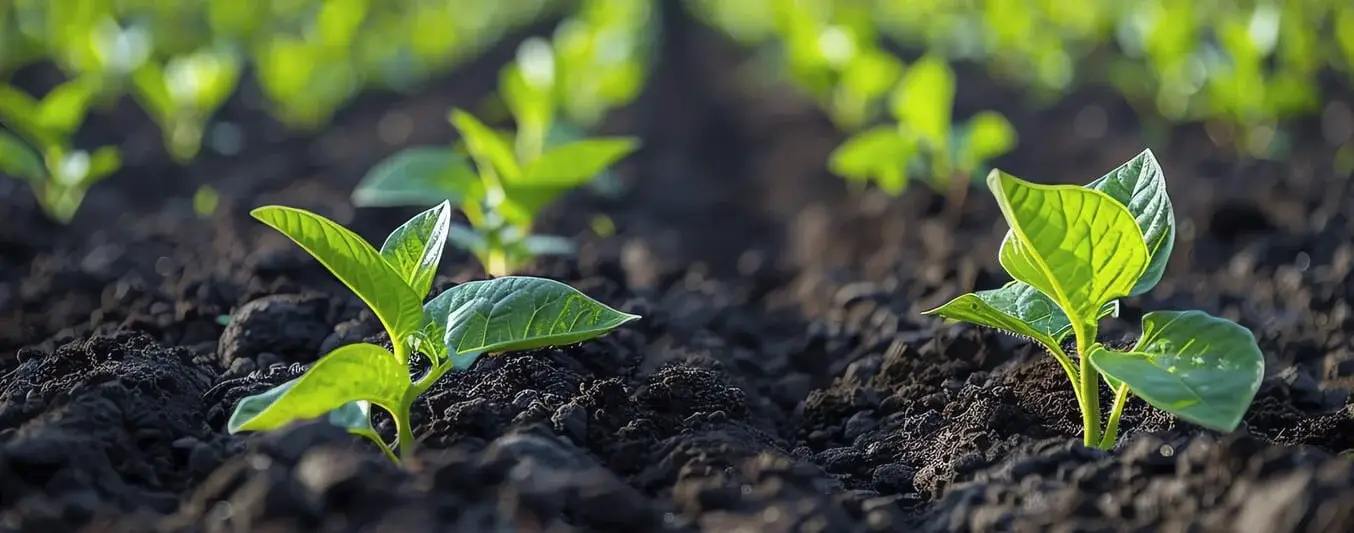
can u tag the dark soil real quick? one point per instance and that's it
(781, 379)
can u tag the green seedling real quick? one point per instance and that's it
(1074, 252)
(183, 94)
(451, 331)
(37, 146)
(501, 195)
(924, 139)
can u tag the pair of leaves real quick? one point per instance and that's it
(1081, 249)
(391, 281)
(511, 313)
(47, 123)
(420, 175)
(1139, 187)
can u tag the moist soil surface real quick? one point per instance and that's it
(781, 379)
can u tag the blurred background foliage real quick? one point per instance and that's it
(1241, 67)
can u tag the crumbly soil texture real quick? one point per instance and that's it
(781, 379)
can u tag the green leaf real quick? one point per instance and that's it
(352, 416)
(1199, 367)
(486, 145)
(102, 163)
(354, 262)
(421, 175)
(1140, 185)
(64, 108)
(1017, 308)
(575, 163)
(1079, 246)
(415, 248)
(352, 373)
(20, 112)
(924, 101)
(871, 74)
(989, 135)
(18, 160)
(153, 90)
(879, 153)
(514, 313)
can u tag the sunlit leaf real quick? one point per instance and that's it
(351, 373)
(421, 175)
(415, 248)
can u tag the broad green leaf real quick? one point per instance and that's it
(871, 73)
(354, 262)
(352, 373)
(879, 153)
(1199, 367)
(575, 163)
(486, 145)
(18, 160)
(1140, 185)
(989, 135)
(924, 100)
(421, 175)
(415, 248)
(352, 416)
(1079, 246)
(63, 109)
(515, 313)
(1017, 308)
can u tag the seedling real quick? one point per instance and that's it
(924, 140)
(501, 196)
(183, 94)
(1074, 252)
(39, 149)
(451, 331)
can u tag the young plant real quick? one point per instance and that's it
(451, 331)
(924, 138)
(183, 94)
(1074, 252)
(40, 149)
(501, 195)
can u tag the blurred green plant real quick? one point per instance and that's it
(923, 140)
(501, 194)
(38, 146)
(184, 93)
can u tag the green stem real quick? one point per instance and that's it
(496, 263)
(1112, 428)
(374, 437)
(1071, 370)
(1090, 389)
(404, 427)
(427, 381)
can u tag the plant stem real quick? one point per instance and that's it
(1072, 374)
(427, 381)
(1112, 427)
(496, 263)
(405, 430)
(374, 437)
(400, 349)
(1090, 389)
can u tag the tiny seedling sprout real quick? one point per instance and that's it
(450, 331)
(1074, 252)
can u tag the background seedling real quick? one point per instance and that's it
(37, 146)
(1074, 251)
(501, 196)
(451, 331)
(924, 140)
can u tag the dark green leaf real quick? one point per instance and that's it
(1199, 367)
(18, 160)
(415, 248)
(1140, 185)
(516, 313)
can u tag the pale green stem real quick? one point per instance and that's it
(1112, 428)
(1090, 389)
(374, 437)
(404, 427)
(1066, 362)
